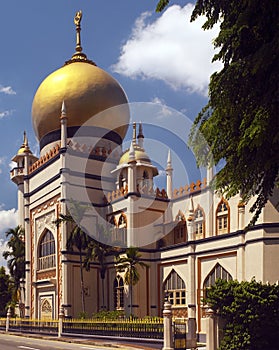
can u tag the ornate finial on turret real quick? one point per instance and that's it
(134, 133)
(140, 136)
(25, 140)
(79, 56)
(132, 155)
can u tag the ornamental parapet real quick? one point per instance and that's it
(189, 189)
(16, 173)
(101, 151)
(45, 158)
(123, 191)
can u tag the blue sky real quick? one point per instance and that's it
(158, 58)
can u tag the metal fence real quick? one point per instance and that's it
(180, 334)
(138, 328)
(25, 325)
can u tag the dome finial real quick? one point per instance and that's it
(77, 21)
(79, 56)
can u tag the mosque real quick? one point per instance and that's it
(188, 237)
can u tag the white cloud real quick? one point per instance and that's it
(171, 49)
(2, 161)
(3, 247)
(6, 113)
(7, 90)
(8, 219)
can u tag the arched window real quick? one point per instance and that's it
(218, 272)
(122, 230)
(176, 289)
(145, 175)
(222, 217)
(199, 222)
(118, 293)
(47, 256)
(180, 229)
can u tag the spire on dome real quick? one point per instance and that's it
(25, 140)
(140, 136)
(24, 147)
(134, 133)
(132, 155)
(79, 56)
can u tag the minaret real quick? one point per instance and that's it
(132, 171)
(23, 159)
(19, 175)
(169, 171)
(63, 195)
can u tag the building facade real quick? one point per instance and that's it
(188, 237)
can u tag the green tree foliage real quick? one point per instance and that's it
(130, 263)
(5, 293)
(77, 238)
(99, 251)
(240, 120)
(250, 311)
(15, 257)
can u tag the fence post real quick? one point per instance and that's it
(60, 322)
(9, 314)
(210, 329)
(167, 314)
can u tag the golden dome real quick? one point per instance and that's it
(140, 155)
(87, 90)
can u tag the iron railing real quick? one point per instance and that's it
(138, 328)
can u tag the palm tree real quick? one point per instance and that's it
(130, 262)
(15, 257)
(98, 251)
(77, 238)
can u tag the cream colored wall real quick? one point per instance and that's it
(92, 299)
(271, 261)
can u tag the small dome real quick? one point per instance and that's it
(140, 155)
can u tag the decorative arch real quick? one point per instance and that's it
(145, 175)
(46, 251)
(218, 272)
(112, 220)
(180, 216)
(199, 222)
(121, 232)
(118, 293)
(223, 217)
(180, 230)
(122, 221)
(176, 289)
